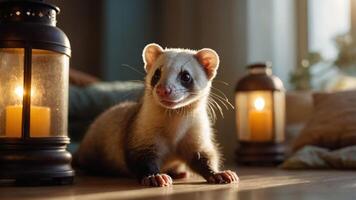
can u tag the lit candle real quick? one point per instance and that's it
(260, 121)
(39, 119)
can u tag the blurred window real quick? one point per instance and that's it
(326, 20)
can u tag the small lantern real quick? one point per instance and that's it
(34, 64)
(260, 114)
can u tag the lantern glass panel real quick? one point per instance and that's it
(49, 99)
(260, 116)
(279, 115)
(11, 77)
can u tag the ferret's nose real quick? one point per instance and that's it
(163, 91)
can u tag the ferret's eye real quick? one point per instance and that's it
(156, 76)
(185, 78)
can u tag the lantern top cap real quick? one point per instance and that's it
(36, 11)
(30, 2)
(260, 68)
(262, 65)
(259, 77)
(31, 24)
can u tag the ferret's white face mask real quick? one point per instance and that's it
(175, 77)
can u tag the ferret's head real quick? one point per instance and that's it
(178, 77)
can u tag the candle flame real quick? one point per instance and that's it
(259, 103)
(20, 92)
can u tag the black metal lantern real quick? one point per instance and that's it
(34, 65)
(260, 114)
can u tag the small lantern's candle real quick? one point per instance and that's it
(260, 121)
(39, 119)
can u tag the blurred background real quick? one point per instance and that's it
(310, 42)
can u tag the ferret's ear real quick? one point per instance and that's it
(209, 59)
(150, 54)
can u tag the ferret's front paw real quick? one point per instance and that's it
(222, 177)
(158, 180)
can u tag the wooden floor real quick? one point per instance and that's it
(255, 184)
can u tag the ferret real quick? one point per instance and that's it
(169, 129)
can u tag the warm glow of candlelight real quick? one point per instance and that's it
(40, 118)
(260, 120)
(259, 103)
(40, 121)
(19, 92)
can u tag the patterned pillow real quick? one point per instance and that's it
(333, 123)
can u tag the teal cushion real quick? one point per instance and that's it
(86, 103)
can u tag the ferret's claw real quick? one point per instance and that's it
(222, 177)
(158, 180)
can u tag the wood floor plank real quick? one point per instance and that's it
(255, 183)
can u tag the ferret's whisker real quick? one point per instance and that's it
(220, 92)
(211, 111)
(215, 115)
(137, 81)
(213, 105)
(134, 69)
(218, 96)
(218, 107)
(223, 99)
(221, 82)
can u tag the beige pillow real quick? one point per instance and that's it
(333, 123)
(311, 157)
